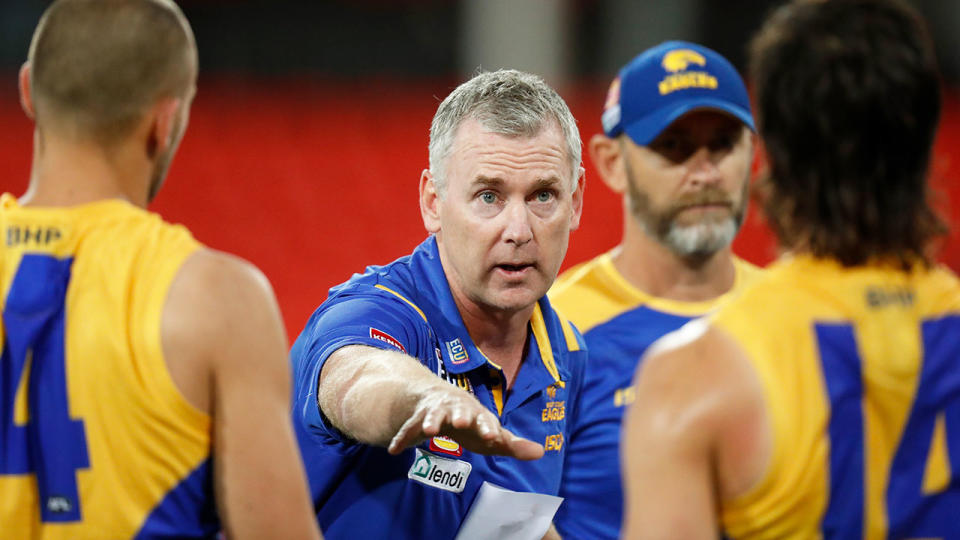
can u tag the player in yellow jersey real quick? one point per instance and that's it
(144, 389)
(825, 400)
(681, 161)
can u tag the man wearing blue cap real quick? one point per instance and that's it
(824, 401)
(678, 145)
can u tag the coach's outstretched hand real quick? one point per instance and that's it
(457, 414)
(390, 399)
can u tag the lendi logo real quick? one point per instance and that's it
(439, 472)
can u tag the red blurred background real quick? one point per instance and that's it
(312, 181)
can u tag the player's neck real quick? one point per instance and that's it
(652, 268)
(69, 173)
(501, 335)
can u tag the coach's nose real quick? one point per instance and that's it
(517, 229)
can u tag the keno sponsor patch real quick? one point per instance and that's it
(386, 338)
(439, 472)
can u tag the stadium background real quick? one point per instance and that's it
(310, 126)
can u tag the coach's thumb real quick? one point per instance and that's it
(524, 449)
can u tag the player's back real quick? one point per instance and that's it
(861, 374)
(97, 442)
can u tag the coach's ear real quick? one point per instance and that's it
(26, 99)
(429, 202)
(577, 199)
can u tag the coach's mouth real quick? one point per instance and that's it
(515, 270)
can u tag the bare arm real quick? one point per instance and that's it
(694, 436)
(552, 534)
(387, 398)
(221, 314)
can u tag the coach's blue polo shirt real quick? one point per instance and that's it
(361, 491)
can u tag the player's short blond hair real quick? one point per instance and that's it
(96, 65)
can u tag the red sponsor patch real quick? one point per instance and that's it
(613, 94)
(386, 338)
(446, 445)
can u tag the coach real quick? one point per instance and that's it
(418, 382)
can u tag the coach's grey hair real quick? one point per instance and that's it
(506, 102)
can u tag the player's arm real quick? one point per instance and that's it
(387, 398)
(552, 534)
(221, 315)
(695, 435)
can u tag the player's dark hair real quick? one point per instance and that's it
(848, 101)
(95, 65)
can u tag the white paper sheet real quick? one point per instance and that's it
(501, 514)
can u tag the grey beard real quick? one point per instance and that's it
(700, 239)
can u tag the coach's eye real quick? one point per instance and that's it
(488, 197)
(544, 196)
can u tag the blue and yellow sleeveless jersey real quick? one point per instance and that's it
(618, 322)
(860, 369)
(95, 439)
(361, 491)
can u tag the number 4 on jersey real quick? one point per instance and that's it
(40, 438)
(923, 493)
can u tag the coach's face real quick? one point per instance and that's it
(504, 217)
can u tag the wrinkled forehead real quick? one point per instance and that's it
(476, 145)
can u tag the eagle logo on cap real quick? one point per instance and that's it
(680, 59)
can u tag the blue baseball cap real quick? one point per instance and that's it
(668, 81)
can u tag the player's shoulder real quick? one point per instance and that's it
(697, 377)
(219, 313)
(768, 287)
(582, 276)
(214, 293)
(940, 288)
(697, 342)
(591, 292)
(747, 272)
(155, 247)
(220, 272)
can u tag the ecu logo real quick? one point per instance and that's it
(458, 353)
(680, 59)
